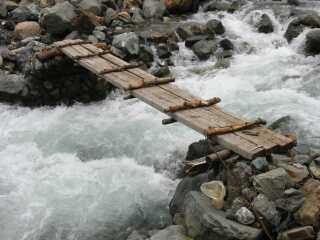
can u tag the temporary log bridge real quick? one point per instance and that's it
(246, 138)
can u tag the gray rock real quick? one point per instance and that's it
(226, 44)
(294, 29)
(267, 209)
(204, 49)
(265, 24)
(160, 70)
(215, 26)
(3, 9)
(237, 203)
(21, 14)
(199, 149)
(192, 40)
(313, 42)
(190, 29)
(127, 42)
(221, 5)
(260, 163)
(291, 200)
(204, 222)
(93, 6)
(58, 19)
(153, 8)
(11, 87)
(318, 236)
(109, 16)
(137, 15)
(163, 51)
(293, 2)
(146, 54)
(186, 185)
(174, 232)
(136, 236)
(273, 183)
(283, 124)
(101, 36)
(245, 216)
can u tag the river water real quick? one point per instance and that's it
(98, 171)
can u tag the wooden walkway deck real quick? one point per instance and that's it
(249, 144)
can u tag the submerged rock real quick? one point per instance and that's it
(273, 183)
(204, 222)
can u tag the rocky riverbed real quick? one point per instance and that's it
(80, 163)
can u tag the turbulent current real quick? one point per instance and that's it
(97, 171)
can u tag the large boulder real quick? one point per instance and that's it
(128, 43)
(190, 29)
(174, 232)
(58, 20)
(273, 183)
(313, 42)
(181, 6)
(204, 48)
(205, 222)
(92, 6)
(27, 29)
(154, 8)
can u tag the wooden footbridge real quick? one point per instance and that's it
(246, 138)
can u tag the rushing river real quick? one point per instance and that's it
(97, 171)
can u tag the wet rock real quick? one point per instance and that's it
(221, 5)
(226, 44)
(267, 209)
(245, 216)
(58, 19)
(137, 15)
(216, 191)
(265, 24)
(153, 8)
(127, 42)
(160, 70)
(301, 233)
(315, 169)
(22, 14)
(186, 185)
(136, 236)
(11, 87)
(192, 40)
(101, 36)
(92, 6)
(146, 54)
(203, 49)
(199, 149)
(260, 164)
(237, 203)
(204, 222)
(282, 124)
(310, 20)
(190, 29)
(163, 51)
(291, 200)
(313, 42)
(214, 26)
(273, 183)
(294, 29)
(27, 29)
(308, 214)
(174, 232)
(181, 6)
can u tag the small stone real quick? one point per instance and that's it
(101, 36)
(160, 70)
(245, 216)
(27, 29)
(301, 233)
(315, 169)
(267, 209)
(273, 183)
(127, 42)
(237, 203)
(216, 191)
(260, 164)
